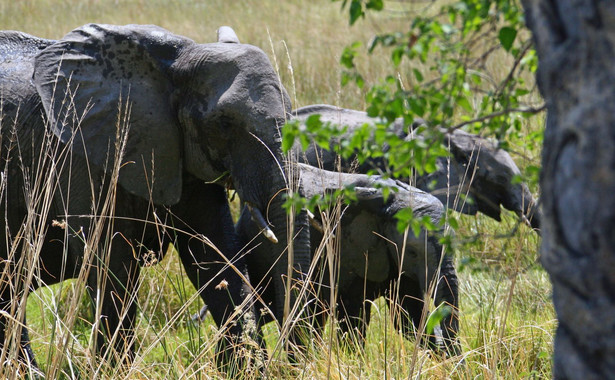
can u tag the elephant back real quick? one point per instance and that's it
(348, 122)
(17, 92)
(17, 53)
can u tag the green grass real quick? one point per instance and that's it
(507, 320)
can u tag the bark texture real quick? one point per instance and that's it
(575, 42)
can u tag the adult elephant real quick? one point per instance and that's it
(372, 257)
(167, 119)
(476, 168)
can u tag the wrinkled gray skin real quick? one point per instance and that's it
(477, 168)
(196, 110)
(373, 259)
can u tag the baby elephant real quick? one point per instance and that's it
(373, 258)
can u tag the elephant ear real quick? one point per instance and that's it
(86, 77)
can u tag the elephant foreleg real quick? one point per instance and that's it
(408, 299)
(448, 294)
(25, 354)
(409, 313)
(354, 309)
(411, 316)
(11, 294)
(113, 290)
(208, 248)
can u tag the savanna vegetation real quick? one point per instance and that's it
(507, 320)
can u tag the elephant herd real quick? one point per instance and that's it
(118, 140)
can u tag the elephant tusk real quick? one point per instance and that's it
(315, 223)
(258, 218)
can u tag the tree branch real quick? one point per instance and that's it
(496, 114)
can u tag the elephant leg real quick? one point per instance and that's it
(354, 309)
(321, 290)
(408, 297)
(260, 318)
(354, 318)
(320, 313)
(208, 248)
(25, 354)
(113, 289)
(448, 294)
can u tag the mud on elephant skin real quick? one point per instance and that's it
(477, 168)
(373, 258)
(190, 113)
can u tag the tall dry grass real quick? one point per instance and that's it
(506, 316)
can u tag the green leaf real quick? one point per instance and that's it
(544, 355)
(404, 217)
(313, 123)
(418, 75)
(348, 55)
(386, 191)
(374, 42)
(416, 227)
(430, 165)
(437, 316)
(397, 55)
(507, 36)
(305, 141)
(417, 106)
(358, 79)
(453, 223)
(289, 131)
(346, 77)
(436, 27)
(323, 143)
(356, 11)
(465, 104)
(376, 5)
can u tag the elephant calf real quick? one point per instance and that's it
(374, 258)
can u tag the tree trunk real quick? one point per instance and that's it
(575, 44)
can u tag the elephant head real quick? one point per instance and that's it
(210, 110)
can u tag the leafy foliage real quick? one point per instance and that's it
(357, 8)
(456, 44)
(439, 73)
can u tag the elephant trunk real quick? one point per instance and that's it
(294, 261)
(262, 184)
(287, 265)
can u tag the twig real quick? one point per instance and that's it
(496, 114)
